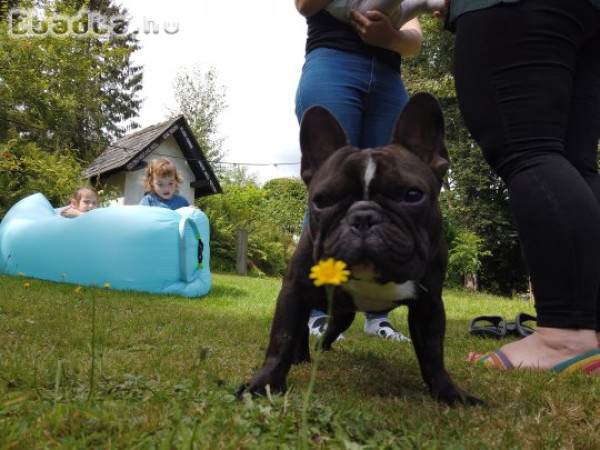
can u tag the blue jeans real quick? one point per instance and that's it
(364, 95)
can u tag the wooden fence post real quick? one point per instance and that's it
(241, 264)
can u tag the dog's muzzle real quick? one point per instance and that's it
(363, 216)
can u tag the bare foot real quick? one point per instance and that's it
(548, 347)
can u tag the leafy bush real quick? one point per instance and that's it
(465, 256)
(26, 169)
(272, 215)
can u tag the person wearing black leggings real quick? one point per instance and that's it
(527, 76)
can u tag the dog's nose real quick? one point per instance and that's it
(363, 220)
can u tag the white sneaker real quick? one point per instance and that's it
(317, 326)
(384, 329)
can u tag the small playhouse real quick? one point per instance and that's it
(122, 165)
(123, 246)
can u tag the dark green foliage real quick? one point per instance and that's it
(478, 201)
(68, 92)
(285, 201)
(26, 169)
(5, 6)
(271, 214)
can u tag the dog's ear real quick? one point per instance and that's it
(320, 136)
(420, 128)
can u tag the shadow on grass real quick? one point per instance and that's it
(223, 290)
(373, 367)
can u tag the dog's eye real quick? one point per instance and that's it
(322, 201)
(413, 195)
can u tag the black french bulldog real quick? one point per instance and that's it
(375, 209)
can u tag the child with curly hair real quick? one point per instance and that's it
(162, 183)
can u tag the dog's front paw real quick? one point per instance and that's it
(301, 358)
(469, 400)
(257, 387)
(245, 388)
(456, 396)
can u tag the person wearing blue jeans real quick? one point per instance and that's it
(353, 70)
(527, 76)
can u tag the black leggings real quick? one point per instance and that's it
(528, 85)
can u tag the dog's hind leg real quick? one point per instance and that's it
(337, 324)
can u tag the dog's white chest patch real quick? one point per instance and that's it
(372, 296)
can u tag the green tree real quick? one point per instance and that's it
(479, 202)
(68, 92)
(201, 99)
(26, 169)
(465, 258)
(61, 98)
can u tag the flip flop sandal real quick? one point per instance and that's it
(496, 359)
(512, 329)
(488, 327)
(524, 330)
(587, 362)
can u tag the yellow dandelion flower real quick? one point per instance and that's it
(106, 286)
(26, 285)
(329, 272)
(78, 289)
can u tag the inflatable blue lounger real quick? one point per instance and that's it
(136, 248)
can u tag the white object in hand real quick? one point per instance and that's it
(399, 11)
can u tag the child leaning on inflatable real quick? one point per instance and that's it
(84, 199)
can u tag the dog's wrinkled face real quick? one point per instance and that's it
(381, 223)
(376, 209)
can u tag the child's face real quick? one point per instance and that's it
(87, 202)
(164, 187)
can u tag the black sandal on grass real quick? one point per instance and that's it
(524, 330)
(488, 327)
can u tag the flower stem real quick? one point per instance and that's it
(304, 431)
(93, 367)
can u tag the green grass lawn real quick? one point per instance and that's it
(161, 372)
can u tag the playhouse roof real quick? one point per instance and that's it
(128, 153)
